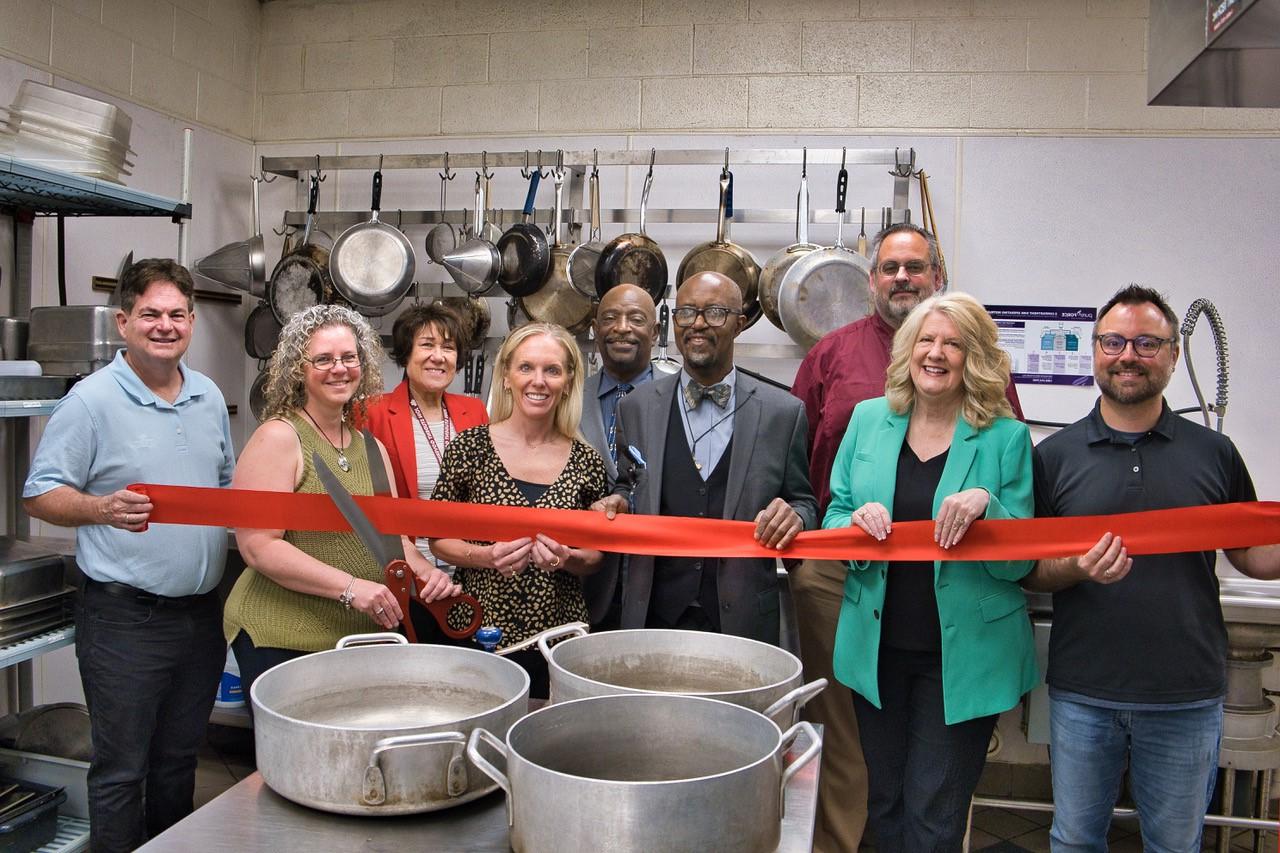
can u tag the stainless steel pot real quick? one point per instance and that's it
(745, 672)
(644, 773)
(380, 729)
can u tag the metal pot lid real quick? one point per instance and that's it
(822, 292)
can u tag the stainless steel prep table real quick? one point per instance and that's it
(252, 817)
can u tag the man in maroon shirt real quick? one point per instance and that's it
(843, 369)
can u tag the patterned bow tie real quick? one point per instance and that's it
(718, 394)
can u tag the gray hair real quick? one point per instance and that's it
(905, 228)
(286, 388)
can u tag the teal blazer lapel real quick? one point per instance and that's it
(888, 444)
(964, 447)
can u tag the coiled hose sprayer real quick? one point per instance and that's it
(1204, 306)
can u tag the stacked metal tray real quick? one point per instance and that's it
(34, 595)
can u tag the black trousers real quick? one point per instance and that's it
(150, 670)
(921, 771)
(253, 661)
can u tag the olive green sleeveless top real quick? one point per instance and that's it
(281, 618)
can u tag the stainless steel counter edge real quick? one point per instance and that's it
(251, 817)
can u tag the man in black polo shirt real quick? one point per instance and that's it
(1137, 653)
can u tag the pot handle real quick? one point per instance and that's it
(799, 696)
(375, 788)
(473, 752)
(550, 632)
(573, 629)
(372, 640)
(814, 748)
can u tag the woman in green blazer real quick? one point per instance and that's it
(934, 651)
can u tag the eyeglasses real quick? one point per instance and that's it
(328, 362)
(715, 315)
(890, 268)
(1147, 346)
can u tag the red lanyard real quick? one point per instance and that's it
(426, 430)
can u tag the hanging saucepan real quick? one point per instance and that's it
(475, 317)
(372, 264)
(526, 258)
(826, 289)
(634, 258)
(557, 301)
(476, 264)
(258, 396)
(301, 278)
(771, 275)
(442, 239)
(261, 332)
(722, 256)
(586, 256)
(662, 362)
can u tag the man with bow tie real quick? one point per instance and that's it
(712, 442)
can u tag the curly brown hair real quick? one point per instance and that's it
(286, 388)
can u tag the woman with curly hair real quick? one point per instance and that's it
(933, 650)
(302, 591)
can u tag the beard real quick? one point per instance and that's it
(1151, 386)
(894, 312)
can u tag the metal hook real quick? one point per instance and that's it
(380, 162)
(320, 176)
(726, 162)
(447, 175)
(595, 162)
(262, 177)
(843, 153)
(559, 162)
(484, 165)
(804, 162)
(525, 173)
(653, 153)
(542, 173)
(901, 171)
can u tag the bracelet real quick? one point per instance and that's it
(347, 595)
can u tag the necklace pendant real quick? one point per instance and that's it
(343, 463)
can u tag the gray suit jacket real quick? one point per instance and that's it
(593, 424)
(768, 459)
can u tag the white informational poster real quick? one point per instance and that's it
(1047, 345)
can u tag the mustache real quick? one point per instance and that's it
(906, 288)
(622, 339)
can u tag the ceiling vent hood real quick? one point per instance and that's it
(1214, 53)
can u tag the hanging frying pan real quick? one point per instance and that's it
(827, 288)
(557, 301)
(301, 278)
(261, 332)
(722, 256)
(258, 396)
(586, 256)
(771, 275)
(475, 264)
(442, 239)
(634, 258)
(526, 258)
(475, 318)
(372, 263)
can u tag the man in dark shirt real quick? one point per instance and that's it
(1138, 647)
(625, 325)
(843, 369)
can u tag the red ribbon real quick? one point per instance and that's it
(1204, 528)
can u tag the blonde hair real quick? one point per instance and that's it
(568, 414)
(286, 388)
(986, 367)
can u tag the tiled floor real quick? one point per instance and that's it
(225, 759)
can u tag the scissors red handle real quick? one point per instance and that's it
(398, 575)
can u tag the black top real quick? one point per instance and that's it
(1157, 636)
(910, 604)
(532, 491)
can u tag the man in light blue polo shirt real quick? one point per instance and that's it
(148, 619)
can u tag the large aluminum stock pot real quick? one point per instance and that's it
(381, 729)
(643, 772)
(745, 672)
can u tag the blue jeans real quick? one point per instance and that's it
(1172, 758)
(150, 672)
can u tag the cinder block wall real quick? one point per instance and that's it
(196, 60)
(412, 68)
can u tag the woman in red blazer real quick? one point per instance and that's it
(418, 419)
